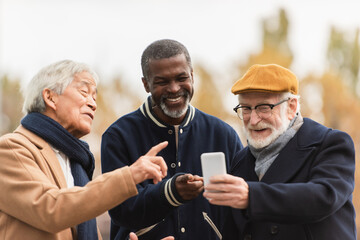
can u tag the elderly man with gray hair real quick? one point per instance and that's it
(295, 178)
(46, 169)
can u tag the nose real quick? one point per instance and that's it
(254, 117)
(92, 103)
(173, 87)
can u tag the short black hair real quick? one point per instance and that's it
(164, 48)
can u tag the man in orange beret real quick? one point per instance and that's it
(295, 178)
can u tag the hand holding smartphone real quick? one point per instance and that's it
(212, 163)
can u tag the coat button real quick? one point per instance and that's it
(247, 237)
(182, 229)
(170, 131)
(181, 131)
(274, 229)
(173, 165)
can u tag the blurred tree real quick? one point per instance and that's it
(310, 90)
(275, 48)
(207, 96)
(115, 99)
(11, 104)
(343, 57)
(330, 101)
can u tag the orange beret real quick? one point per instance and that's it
(267, 78)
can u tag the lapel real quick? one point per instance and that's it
(287, 164)
(281, 170)
(48, 154)
(295, 154)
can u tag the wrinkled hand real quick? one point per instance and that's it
(133, 236)
(189, 186)
(150, 166)
(227, 190)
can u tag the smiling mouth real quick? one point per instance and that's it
(259, 130)
(174, 99)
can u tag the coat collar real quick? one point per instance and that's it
(48, 153)
(296, 152)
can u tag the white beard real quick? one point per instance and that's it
(275, 133)
(177, 113)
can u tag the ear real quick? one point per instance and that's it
(292, 106)
(146, 84)
(192, 77)
(50, 98)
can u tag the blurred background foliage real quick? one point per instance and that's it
(331, 98)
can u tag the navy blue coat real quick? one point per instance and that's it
(305, 194)
(132, 136)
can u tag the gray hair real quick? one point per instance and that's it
(55, 77)
(165, 48)
(290, 95)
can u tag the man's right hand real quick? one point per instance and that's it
(189, 186)
(150, 166)
(228, 190)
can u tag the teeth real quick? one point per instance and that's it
(173, 99)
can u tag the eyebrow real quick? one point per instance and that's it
(88, 84)
(183, 73)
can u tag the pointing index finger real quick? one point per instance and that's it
(156, 149)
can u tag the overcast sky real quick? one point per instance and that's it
(110, 35)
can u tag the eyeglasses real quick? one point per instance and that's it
(264, 111)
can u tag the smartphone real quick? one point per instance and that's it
(212, 163)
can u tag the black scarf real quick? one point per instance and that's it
(81, 159)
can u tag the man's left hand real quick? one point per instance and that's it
(189, 186)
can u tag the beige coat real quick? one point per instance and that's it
(34, 200)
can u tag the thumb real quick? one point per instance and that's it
(132, 236)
